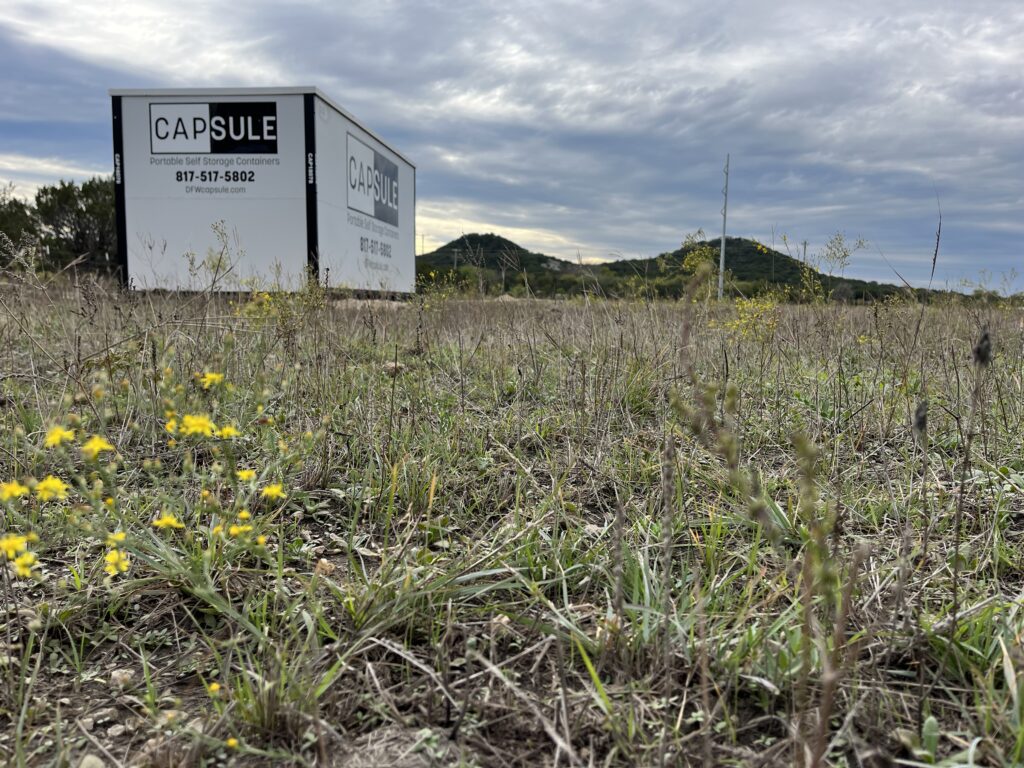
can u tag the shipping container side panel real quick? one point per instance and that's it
(365, 208)
(215, 186)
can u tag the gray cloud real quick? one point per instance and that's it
(603, 127)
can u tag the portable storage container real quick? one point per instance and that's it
(257, 188)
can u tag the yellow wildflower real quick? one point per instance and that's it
(210, 379)
(171, 426)
(245, 475)
(237, 530)
(213, 688)
(94, 446)
(274, 491)
(227, 432)
(117, 562)
(244, 515)
(168, 520)
(261, 540)
(231, 743)
(50, 488)
(197, 425)
(12, 490)
(115, 538)
(217, 530)
(11, 544)
(23, 564)
(58, 435)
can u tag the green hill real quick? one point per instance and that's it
(742, 258)
(489, 251)
(493, 264)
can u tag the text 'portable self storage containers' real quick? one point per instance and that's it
(258, 188)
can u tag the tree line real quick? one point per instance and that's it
(64, 223)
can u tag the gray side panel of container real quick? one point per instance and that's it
(312, 172)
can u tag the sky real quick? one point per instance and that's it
(596, 130)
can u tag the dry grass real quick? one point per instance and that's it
(514, 533)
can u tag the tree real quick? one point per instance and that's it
(78, 222)
(100, 221)
(17, 219)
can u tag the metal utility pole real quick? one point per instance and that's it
(721, 254)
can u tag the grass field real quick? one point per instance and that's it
(297, 530)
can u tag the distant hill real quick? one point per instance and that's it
(489, 251)
(742, 258)
(497, 265)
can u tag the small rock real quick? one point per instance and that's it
(104, 715)
(91, 761)
(324, 568)
(115, 731)
(87, 723)
(121, 678)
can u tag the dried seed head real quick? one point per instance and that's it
(731, 403)
(921, 419)
(982, 352)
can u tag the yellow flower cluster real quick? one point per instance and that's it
(240, 530)
(756, 318)
(198, 425)
(11, 544)
(15, 548)
(168, 520)
(12, 490)
(50, 488)
(116, 562)
(273, 492)
(94, 446)
(47, 489)
(57, 436)
(209, 379)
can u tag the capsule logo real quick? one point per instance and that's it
(372, 182)
(214, 128)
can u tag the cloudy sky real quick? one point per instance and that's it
(595, 128)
